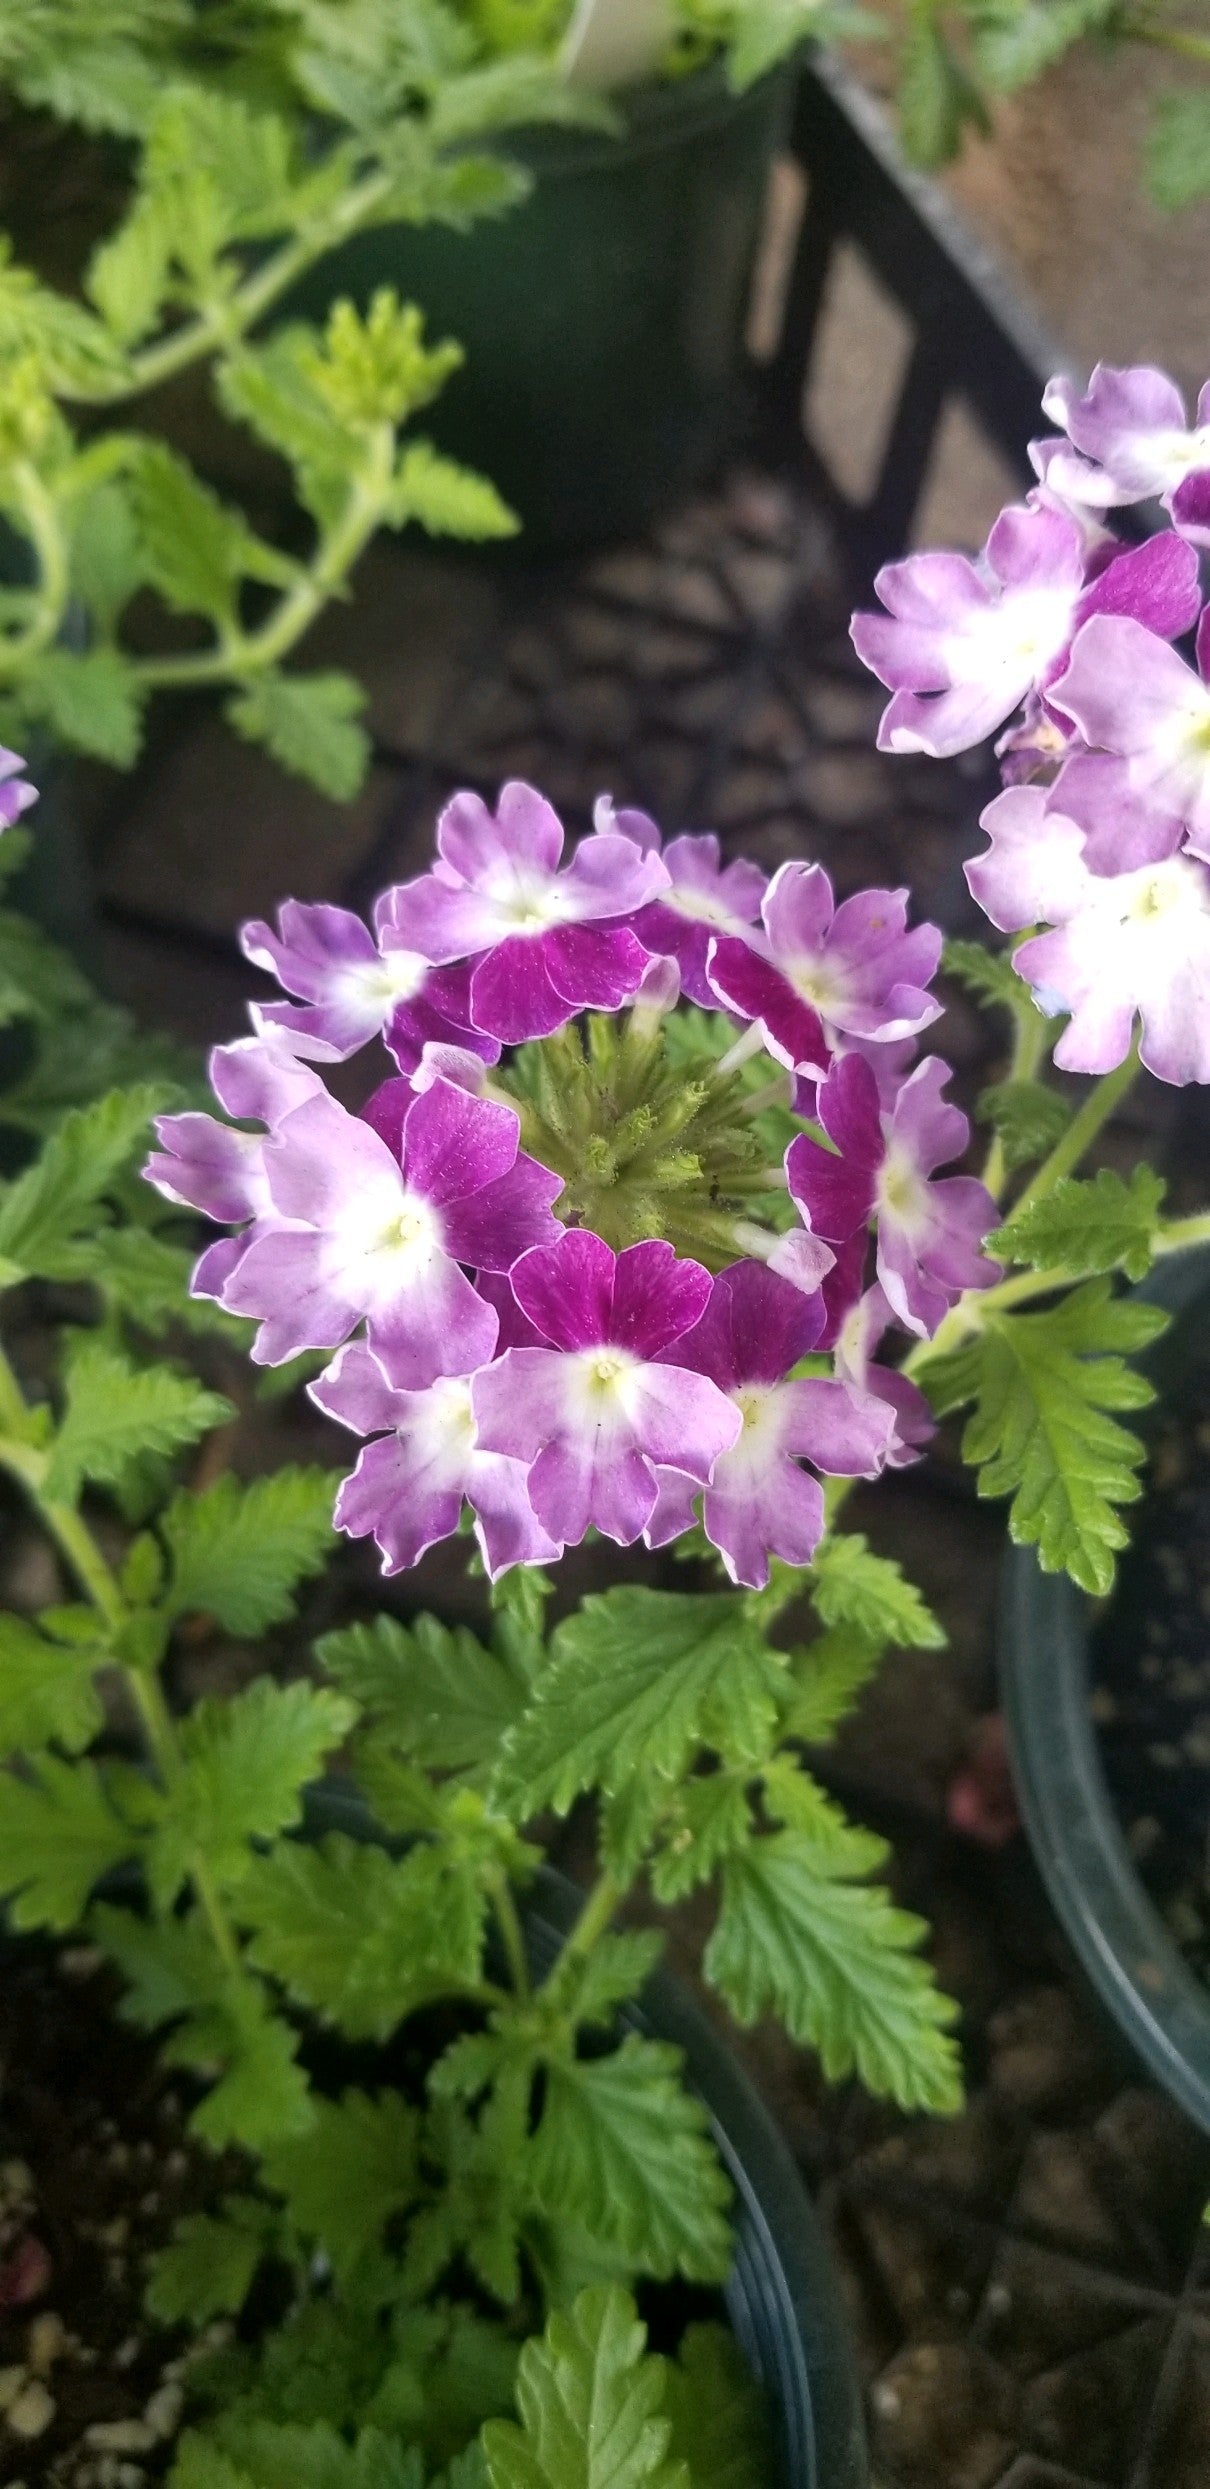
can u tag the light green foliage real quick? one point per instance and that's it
(623, 2148)
(988, 976)
(222, 2026)
(265, 2454)
(360, 1938)
(1027, 1119)
(343, 2180)
(47, 1694)
(800, 1936)
(115, 1413)
(590, 2404)
(208, 2266)
(433, 1692)
(238, 1553)
(636, 1681)
(245, 1762)
(50, 1214)
(1043, 1429)
(720, 2421)
(59, 1834)
(1085, 1227)
(1178, 151)
(309, 722)
(851, 1586)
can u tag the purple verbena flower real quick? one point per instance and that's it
(380, 1232)
(1131, 695)
(1129, 439)
(759, 1501)
(211, 1166)
(859, 1337)
(544, 942)
(16, 794)
(594, 1413)
(409, 1485)
(1129, 916)
(881, 1167)
(704, 897)
(963, 643)
(354, 987)
(827, 972)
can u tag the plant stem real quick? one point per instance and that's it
(1169, 39)
(1029, 1040)
(1082, 1130)
(593, 1920)
(511, 1935)
(1179, 1235)
(41, 519)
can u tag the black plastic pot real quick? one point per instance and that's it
(603, 318)
(1119, 1936)
(781, 2295)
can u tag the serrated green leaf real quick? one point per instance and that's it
(434, 1691)
(447, 499)
(1087, 1226)
(830, 1675)
(169, 1966)
(47, 1693)
(223, 2027)
(1015, 40)
(309, 723)
(850, 1586)
(636, 1680)
(128, 275)
(237, 1552)
(1041, 1432)
(1027, 1118)
(719, 2415)
(252, 2453)
(345, 2179)
(116, 1413)
(359, 1937)
(938, 99)
(92, 703)
(591, 2406)
(246, 1760)
(623, 2148)
(105, 566)
(709, 1817)
(38, 980)
(193, 549)
(838, 1964)
(210, 2262)
(989, 976)
(590, 1989)
(1178, 149)
(73, 350)
(43, 1212)
(59, 1835)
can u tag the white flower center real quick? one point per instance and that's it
(1168, 457)
(703, 907)
(450, 1401)
(394, 978)
(902, 1191)
(527, 901)
(394, 1231)
(820, 985)
(1019, 636)
(1150, 898)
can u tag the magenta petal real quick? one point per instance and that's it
(503, 1220)
(1156, 582)
(754, 988)
(594, 967)
(655, 1298)
(755, 1327)
(386, 1112)
(516, 1330)
(1190, 506)
(849, 1111)
(566, 1290)
(835, 1195)
(512, 993)
(453, 1143)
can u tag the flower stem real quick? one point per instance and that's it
(1082, 1130)
(1180, 1235)
(511, 1935)
(593, 1920)
(1029, 1042)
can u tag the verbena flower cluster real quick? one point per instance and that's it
(570, 1278)
(1100, 843)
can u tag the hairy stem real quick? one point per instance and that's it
(41, 520)
(1082, 1130)
(593, 1920)
(1180, 1235)
(511, 1934)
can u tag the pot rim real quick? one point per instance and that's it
(1075, 1834)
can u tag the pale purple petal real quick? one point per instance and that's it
(525, 831)
(845, 1431)
(1131, 694)
(1121, 830)
(16, 794)
(287, 1277)
(206, 1166)
(1141, 943)
(805, 1260)
(357, 1391)
(1034, 871)
(675, 1508)
(766, 1507)
(453, 1143)
(260, 1079)
(924, 1123)
(434, 1322)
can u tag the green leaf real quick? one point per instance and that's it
(193, 549)
(249, 2453)
(1041, 1431)
(38, 980)
(1015, 40)
(44, 1211)
(210, 2262)
(766, 31)
(115, 1413)
(359, 1937)
(105, 567)
(169, 1966)
(710, 1817)
(636, 1681)
(1087, 1226)
(1027, 1118)
(830, 1675)
(589, 1989)
(838, 1964)
(93, 703)
(225, 2029)
(436, 1693)
(623, 2148)
(591, 2406)
(58, 1836)
(73, 350)
(938, 100)
(719, 2414)
(129, 273)
(1178, 149)
(850, 1586)
(989, 977)
(238, 1552)
(356, 2168)
(446, 499)
(308, 723)
(246, 1761)
(47, 1692)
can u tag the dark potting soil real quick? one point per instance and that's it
(95, 2170)
(1151, 1672)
